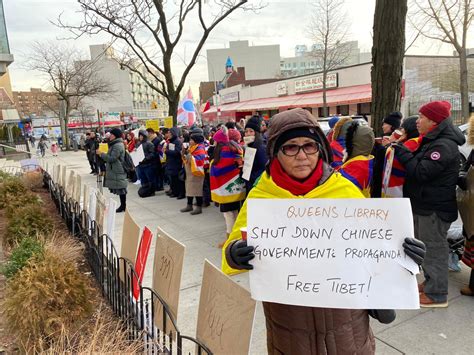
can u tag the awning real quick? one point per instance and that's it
(342, 96)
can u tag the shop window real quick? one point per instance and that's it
(364, 108)
(343, 110)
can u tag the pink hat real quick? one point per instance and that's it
(221, 136)
(436, 111)
(234, 135)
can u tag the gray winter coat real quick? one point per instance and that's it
(115, 175)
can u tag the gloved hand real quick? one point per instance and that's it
(415, 249)
(384, 316)
(241, 254)
(462, 180)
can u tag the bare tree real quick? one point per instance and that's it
(328, 30)
(447, 21)
(69, 75)
(152, 30)
(388, 51)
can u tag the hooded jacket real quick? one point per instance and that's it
(115, 175)
(432, 171)
(313, 330)
(148, 150)
(174, 161)
(358, 164)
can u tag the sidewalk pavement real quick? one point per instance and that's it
(426, 331)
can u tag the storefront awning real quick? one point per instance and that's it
(342, 96)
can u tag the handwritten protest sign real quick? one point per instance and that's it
(169, 122)
(130, 238)
(248, 162)
(336, 253)
(167, 271)
(225, 315)
(154, 124)
(137, 156)
(103, 148)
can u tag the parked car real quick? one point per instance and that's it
(465, 149)
(324, 122)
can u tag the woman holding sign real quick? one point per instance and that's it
(300, 158)
(115, 175)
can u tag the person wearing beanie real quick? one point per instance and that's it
(115, 175)
(234, 135)
(393, 186)
(253, 139)
(463, 182)
(357, 164)
(254, 124)
(391, 123)
(194, 159)
(145, 169)
(174, 164)
(431, 175)
(332, 122)
(299, 167)
(227, 186)
(157, 173)
(338, 141)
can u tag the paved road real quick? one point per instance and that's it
(440, 331)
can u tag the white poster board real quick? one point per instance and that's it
(92, 204)
(332, 253)
(77, 189)
(138, 155)
(249, 157)
(70, 184)
(110, 219)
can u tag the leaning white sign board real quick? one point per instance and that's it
(248, 162)
(334, 253)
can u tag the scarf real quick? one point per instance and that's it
(298, 188)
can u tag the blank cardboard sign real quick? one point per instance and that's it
(77, 189)
(100, 211)
(226, 313)
(167, 271)
(130, 238)
(70, 184)
(63, 176)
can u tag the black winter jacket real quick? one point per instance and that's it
(432, 171)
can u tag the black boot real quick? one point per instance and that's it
(123, 204)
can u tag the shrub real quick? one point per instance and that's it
(101, 334)
(11, 188)
(29, 221)
(20, 255)
(47, 295)
(27, 199)
(33, 179)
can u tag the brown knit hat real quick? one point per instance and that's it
(295, 119)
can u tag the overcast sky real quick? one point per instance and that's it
(281, 22)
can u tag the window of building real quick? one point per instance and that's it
(294, 65)
(343, 110)
(364, 108)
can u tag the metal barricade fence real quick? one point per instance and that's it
(117, 279)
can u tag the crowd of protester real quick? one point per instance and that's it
(416, 157)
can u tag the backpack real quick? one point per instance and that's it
(127, 163)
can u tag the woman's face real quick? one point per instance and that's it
(249, 132)
(192, 142)
(302, 164)
(387, 129)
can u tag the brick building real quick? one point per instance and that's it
(35, 102)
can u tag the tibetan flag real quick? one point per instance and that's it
(359, 171)
(206, 107)
(187, 111)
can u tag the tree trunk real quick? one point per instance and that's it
(464, 86)
(325, 103)
(387, 59)
(173, 109)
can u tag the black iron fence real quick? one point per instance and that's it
(120, 284)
